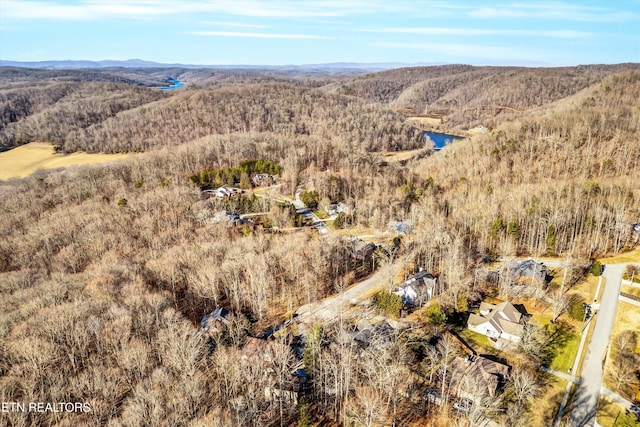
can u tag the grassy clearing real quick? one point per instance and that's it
(26, 159)
(546, 406)
(627, 318)
(565, 333)
(399, 156)
(321, 214)
(566, 355)
(632, 290)
(631, 256)
(425, 121)
(586, 288)
(608, 411)
(478, 341)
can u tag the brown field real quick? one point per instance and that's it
(26, 159)
(399, 156)
(627, 318)
(631, 256)
(425, 121)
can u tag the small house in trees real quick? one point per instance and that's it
(636, 229)
(262, 180)
(223, 192)
(527, 270)
(417, 289)
(400, 227)
(212, 322)
(497, 321)
(362, 251)
(336, 208)
(230, 218)
(283, 373)
(489, 374)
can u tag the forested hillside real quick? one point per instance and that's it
(466, 96)
(561, 182)
(49, 111)
(106, 271)
(278, 108)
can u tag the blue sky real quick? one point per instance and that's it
(273, 32)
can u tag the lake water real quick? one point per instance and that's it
(173, 84)
(441, 139)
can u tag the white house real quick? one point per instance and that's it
(417, 289)
(497, 321)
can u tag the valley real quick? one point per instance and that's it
(285, 247)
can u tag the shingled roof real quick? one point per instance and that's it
(504, 317)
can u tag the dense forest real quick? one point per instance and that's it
(106, 271)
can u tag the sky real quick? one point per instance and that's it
(276, 32)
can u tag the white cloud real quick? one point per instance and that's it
(555, 11)
(86, 10)
(137, 9)
(256, 35)
(481, 32)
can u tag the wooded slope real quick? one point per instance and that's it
(278, 108)
(466, 95)
(48, 111)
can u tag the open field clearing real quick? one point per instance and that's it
(425, 121)
(627, 319)
(631, 256)
(26, 159)
(399, 156)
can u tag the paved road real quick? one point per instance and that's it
(330, 308)
(585, 399)
(308, 214)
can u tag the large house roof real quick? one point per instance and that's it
(527, 268)
(504, 317)
(490, 372)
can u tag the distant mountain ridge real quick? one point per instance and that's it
(139, 63)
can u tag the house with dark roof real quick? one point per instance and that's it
(489, 374)
(527, 270)
(262, 179)
(417, 289)
(263, 352)
(212, 322)
(360, 250)
(497, 321)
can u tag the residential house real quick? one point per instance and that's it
(489, 374)
(502, 321)
(361, 251)
(212, 322)
(636, 229)
(400, 227)
(417, 289)
(262, 179)
(382, 333)
(527, 270)
(269, 357)
(223, 192)
(336, 208)
(226, 217)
